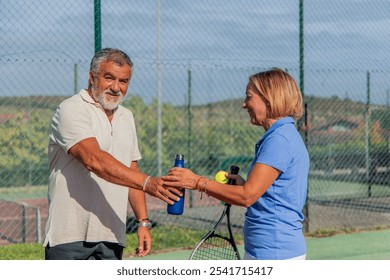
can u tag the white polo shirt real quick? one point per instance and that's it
(83, 206)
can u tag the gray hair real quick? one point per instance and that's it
(109, 54)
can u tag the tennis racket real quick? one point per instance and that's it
(216, 244)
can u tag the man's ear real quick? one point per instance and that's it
(90, 83)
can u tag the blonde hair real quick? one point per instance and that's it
(280, 92)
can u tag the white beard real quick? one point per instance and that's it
(105, 101)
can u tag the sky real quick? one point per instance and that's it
(221, 41)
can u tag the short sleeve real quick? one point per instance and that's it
(71, 123)
(274, 151)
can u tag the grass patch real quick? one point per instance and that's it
(326, 232)
(28, 251)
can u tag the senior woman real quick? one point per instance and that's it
(276, 186)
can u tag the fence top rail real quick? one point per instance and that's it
(22, 203)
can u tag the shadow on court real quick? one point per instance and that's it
(369, 245)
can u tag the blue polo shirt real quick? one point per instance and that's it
(273, 224)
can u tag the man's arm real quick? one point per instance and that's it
(137, 202)
(137, 198)
(107, 167)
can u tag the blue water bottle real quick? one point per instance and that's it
(178, 207)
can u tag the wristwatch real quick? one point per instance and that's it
(144, 224)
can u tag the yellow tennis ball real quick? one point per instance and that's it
(220, 177)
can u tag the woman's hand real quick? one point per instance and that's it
(239, 180)
(181, 178)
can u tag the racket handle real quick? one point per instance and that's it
(233, 170)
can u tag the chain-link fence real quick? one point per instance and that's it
(192, 61)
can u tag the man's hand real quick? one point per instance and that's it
(155, 188)
(144, 242)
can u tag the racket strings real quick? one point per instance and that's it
(215, 248)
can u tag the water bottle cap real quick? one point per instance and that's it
(179, 156)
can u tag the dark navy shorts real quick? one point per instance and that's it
(84, 251)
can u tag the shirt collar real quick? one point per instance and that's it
(279, 123)
(87, 98)
(276, 125)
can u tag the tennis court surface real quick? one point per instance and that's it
(367, 245)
